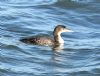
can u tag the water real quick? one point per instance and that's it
(23, 18)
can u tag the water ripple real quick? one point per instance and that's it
(21, 18)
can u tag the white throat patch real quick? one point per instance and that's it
(60, 39)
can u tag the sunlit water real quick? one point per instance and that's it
(23, 18)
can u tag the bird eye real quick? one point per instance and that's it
(64, 27)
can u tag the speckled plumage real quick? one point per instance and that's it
(39, 39)
(47, 40)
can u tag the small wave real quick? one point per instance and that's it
(46, 3)
(27, 2)
(88, 69)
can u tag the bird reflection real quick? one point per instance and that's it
(58, 48)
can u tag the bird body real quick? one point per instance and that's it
(47, 40)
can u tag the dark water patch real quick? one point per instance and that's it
(70, 4)
(96, 71)
(83, 73)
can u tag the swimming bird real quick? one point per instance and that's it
(47, 40)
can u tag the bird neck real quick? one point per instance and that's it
(58, 39)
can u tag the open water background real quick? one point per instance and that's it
(22, 18)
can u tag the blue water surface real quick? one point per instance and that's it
(23, 18)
